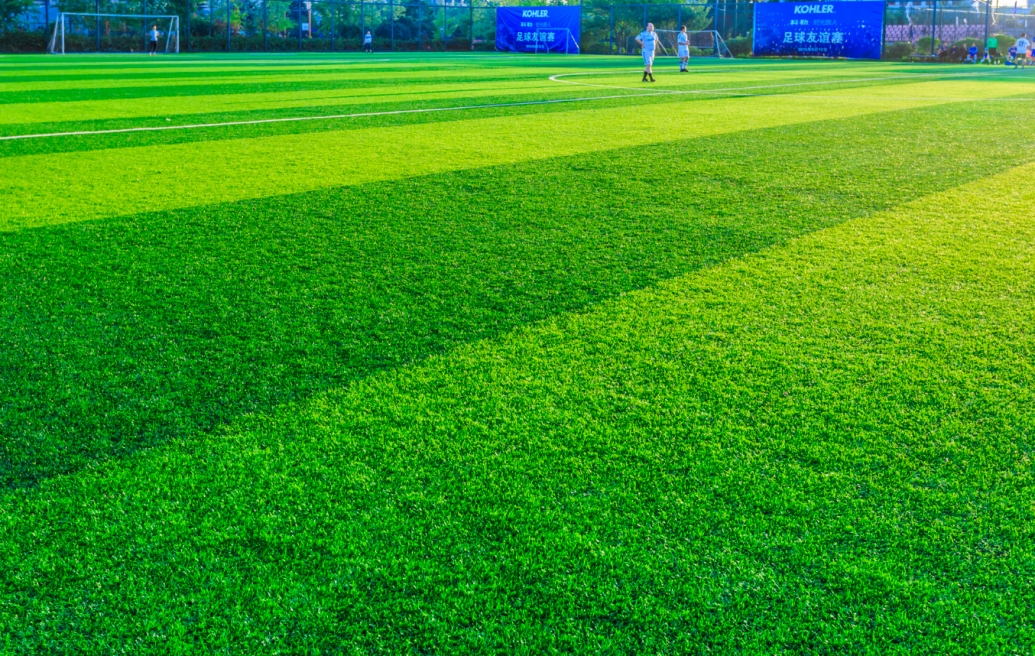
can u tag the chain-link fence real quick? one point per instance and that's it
(933, 30)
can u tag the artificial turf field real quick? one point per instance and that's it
(515, 355)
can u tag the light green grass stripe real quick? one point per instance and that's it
(96, 184)
(825, 446)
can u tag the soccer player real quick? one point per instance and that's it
(683, 45)
(991, 51)
(153, 44)
(368, 42)
(1022, 51)
(647, 40)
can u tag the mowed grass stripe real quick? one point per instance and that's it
(308, 108)
(174, 101)
(244, 124)
(160, 82)
(334, 95)
(127, 333)
(373, 81)
(96, 184)
(823, 446)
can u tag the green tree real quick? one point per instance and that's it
(11, 11)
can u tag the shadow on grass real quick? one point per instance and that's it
(120, 335)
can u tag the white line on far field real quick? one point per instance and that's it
(461, 108)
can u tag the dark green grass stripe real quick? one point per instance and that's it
(149, 74)
(123, 334)
(157, 90)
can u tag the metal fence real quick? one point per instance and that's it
(919, 30)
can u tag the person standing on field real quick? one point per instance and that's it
(368, 42)
(1022, 51)
(153, 43)
(683, 46)
(647, 40)
(991, 51)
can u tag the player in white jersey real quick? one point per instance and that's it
(683, 45)
(1022, 51)
(647, 40)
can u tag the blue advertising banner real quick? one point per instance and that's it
(538, 29)
(819, 29)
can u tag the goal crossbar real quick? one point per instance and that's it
(698, 40)
(569, 40)
(172, 35)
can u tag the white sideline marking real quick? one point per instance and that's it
(553, 78)
(328, 117)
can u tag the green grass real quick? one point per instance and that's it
(656, 374)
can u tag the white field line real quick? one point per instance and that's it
(327, 117)
(730, 91)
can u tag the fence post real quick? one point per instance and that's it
(362, 21)
(883, 29)
(391, 18)
(644, 18)
(228, 25)
(471, 28)
(679, 16)
(579, 44)
(300, 7)
(334, 12)
(988, 24)
(188, 25)
(934, 23)
(611, 31)
(420, 32)
(715, 21)
(265, 41)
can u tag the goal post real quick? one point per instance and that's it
(703, 43)
(126, 28)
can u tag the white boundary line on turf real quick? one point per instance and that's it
(329, 117)
(730, 91)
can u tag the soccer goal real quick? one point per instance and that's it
(85, 32)
(703, 43)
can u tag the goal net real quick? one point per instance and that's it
(703, 43)
(90, 32)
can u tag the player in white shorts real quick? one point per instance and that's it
(683, 45)
(647, 40)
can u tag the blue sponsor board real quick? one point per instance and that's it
(819, 29)
(538, 29)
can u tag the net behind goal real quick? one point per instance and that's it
(94, 32)
(703, 43)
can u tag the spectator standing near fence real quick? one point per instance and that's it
(647, 40)
(368, 42)
(153, 43)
